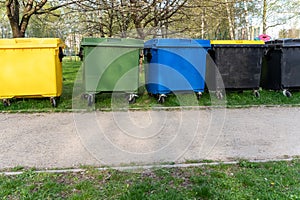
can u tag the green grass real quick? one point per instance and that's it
(245, 180)
(105, 100)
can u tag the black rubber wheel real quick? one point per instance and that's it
(6, 103)
(53, 102)
(91, 99)
(161, 100)
(288, 94)
(199, 95)
(257, 94)
(219, 95)
(132, 100)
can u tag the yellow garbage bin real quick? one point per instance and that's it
(31, 68)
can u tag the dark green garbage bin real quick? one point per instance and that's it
(281, 66)
(110, 65)
(239, 65)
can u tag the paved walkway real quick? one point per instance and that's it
(63, 140)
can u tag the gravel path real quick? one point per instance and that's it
(63, 140)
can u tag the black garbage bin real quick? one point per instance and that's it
(281, 66)
(239, 65)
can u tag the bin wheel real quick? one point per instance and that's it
(199, 95)
(6, 102)
(162, 98)
(53, 102)
(287, 93)
(132, 98)
(256, 94)
(219, 95)
(91, 99)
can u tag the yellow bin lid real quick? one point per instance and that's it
(20, 43)
(237, 42)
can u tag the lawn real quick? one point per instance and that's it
(144, 101)
(245, 180)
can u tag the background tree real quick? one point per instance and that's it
(118, 16)
(19, 13)
(246, 12)
(278, 12)
(207, 19)
(4, 24)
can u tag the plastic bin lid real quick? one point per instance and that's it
(31, 43)
(285, 42)
(238, 42)
(176, 42)
(112, 42)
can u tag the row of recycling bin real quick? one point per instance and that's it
(31, 67)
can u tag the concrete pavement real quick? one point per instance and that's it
(63, 140)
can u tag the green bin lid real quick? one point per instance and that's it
(113, 42)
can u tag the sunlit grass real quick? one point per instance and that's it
(245, 180)
(145, 101)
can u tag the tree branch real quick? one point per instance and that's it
(48, 10)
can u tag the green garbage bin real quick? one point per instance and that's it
(110, 65)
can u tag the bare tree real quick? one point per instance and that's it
(230, 15)
(119, 16)
(278, 12)
(19, 13)
(264, 16)
(209, 19)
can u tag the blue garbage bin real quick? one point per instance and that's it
(175, 65)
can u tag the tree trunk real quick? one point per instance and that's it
(247, 19)
(203, 23)
(12, 11)
(138, 26)
(140, 30)
(230, 21)
(30, 8)
(264, 17)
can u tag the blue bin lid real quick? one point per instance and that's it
(284, 42)
(176, 42)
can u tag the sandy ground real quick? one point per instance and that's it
(63, 140)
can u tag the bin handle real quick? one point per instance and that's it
(148, 55)
(80, 53)
(22, 40)
(114, 39)
(60, 54)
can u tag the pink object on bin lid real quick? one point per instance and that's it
(264, 37)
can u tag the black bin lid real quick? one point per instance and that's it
(284, 43)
